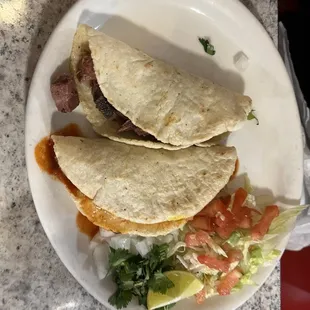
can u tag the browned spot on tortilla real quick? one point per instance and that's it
(149, 64)
(170, 119)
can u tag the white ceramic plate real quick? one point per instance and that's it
(270, 153)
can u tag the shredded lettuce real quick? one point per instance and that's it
(256, 253)
(195, 266)
(217, 249)
(210, 282)
(258, 257)
(273, 255)
(178, 247)
(286, 218)
(234, 238)
(246, 279)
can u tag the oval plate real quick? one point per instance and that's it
(270, 153)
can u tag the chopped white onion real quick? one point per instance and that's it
(150, 241)
(168, 238)
(175, 235)
(101, 259)
(143, 248)
(106, 233)
(241, 61)
(120, 242)
(97, 240)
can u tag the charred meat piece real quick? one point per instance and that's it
(102, 102)
(129, 126)
(64, 93)
(86, 70)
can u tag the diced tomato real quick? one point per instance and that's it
(197, 239)
(220, 221)
(226, 247)
(226, 231)
(202, 222)
(191, 240)
(212, 208)
(234, 255)
(226, 200)
(228, 282)
(204, 237)
(262, 227)
(214, 263)
(200, 296)
(245, 222)
(244, 218)
(240, 197)
(224, 218)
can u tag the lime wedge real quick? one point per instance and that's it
(185, 285)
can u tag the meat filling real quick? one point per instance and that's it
(102, 102)
(128, 126)
(66, 98)
(64, 93)
(86, 70)
(87, 73)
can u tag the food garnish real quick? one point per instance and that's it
(134, 275)
(207, 46)
(216, 253)
(251, 116)
(185, 285)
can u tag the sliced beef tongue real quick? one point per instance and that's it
(66, 98)
(64, 93)
(110, 112)
(86, 70)
(86, 73)
(129, 126)
(102, 102)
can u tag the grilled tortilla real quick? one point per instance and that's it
(175, 108)
(106, 220)
(144, 185)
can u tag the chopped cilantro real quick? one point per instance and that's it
(118, 257)
(120, 299)
(160, 283)
(251, 116)
(134, 275)
(207, 46)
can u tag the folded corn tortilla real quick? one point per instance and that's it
(145, 185)
(106, 220)
(177, 108)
